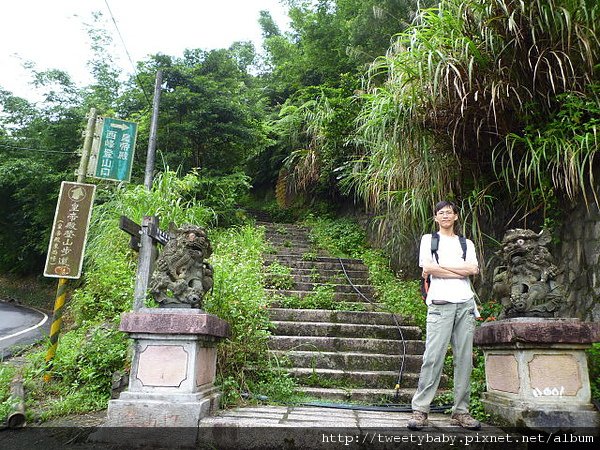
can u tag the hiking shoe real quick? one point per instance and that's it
(465, 420)
(417, 421)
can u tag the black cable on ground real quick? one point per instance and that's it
(388, 408)
(401, 370)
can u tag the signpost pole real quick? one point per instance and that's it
(87, 146)
(148, 251)
(61, 290)
(59, 302)
(153, 130)
(147, 255)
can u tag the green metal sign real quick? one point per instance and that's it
(113, 150)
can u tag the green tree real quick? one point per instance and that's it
(104, 91)
(38, 147)
(329, 39)
(37, 150)
(315, 72)
(210, 114)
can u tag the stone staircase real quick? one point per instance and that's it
(348, 350)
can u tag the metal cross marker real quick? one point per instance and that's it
(135, 230)
(143, 239)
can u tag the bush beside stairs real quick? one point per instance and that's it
(351, 350)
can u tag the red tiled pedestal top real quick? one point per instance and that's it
(528, 330)
(173, 321)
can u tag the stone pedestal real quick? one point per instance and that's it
(173, 369)
(537, 373)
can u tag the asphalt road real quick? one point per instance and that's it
(19, 326)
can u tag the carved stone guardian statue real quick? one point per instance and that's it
(182, 276)
(535, 363)
(525, 284)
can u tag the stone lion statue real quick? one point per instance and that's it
(525, 283)
(181, 276)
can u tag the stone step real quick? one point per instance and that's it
(365, 289)
(325, 262)
(356, 276)
(345, 306)
(331, 378)
(295, 237)
(292, 232)
(314, 264)
(279, 225)
(291, 247)
(308, 276)
(350, 360)
(325, 315)
(338, 355)
(364, 395)
(345, 344)
(300, 253)
(297, 251)
(337, 296)
(284, 328)
(285, 238)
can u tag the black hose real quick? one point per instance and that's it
(401, 370)
(389, 408)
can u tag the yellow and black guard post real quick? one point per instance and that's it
(59, 303)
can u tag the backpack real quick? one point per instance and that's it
(435, 242)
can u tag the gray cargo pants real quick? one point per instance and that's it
(450, 323)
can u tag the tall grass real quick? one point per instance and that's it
(244, 365)
(466, 105)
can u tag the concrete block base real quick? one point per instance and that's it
(537, 375)
(143, 420)
(548, 419)
(170, 410)
(171, 384)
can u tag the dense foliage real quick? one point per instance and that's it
(377, 100)
(244, 365)
(395, 103)
(475, 101)
(91, 347)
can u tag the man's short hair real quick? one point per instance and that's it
(443, 204)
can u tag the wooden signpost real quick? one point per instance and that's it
(111, 160)
(58, 266)
(69, 230)
(143, 239)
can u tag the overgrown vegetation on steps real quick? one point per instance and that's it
(244, 365)
(344, 238)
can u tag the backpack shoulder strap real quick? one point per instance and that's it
(463, 245)
(435, 243)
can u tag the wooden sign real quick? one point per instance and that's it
(69, 231)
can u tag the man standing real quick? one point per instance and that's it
(451, 312)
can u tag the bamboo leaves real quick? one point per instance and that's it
(477, 88)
